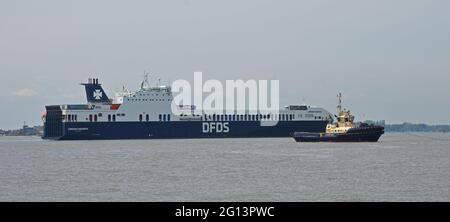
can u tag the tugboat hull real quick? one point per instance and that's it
(358, 134)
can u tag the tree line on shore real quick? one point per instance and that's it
(412, 127)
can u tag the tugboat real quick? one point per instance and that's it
(344, 130)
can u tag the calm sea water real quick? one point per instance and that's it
(401, 167)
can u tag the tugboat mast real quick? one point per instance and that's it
(339, 106)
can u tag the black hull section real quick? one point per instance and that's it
(360, 134)
(175, 129)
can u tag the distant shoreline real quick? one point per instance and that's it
(412, 127)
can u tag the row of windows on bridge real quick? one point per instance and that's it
(157, 94)
(70, 118)
(255, 117)
(162, 117)
(248, 117)
(243, 117)
(214, 117)
(145, 100)
(111, 117)
(93, 118)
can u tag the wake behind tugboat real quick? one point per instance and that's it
(344, 130)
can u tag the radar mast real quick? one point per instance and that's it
(145, 84)
(339, 106)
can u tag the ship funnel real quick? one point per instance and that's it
(95, 92)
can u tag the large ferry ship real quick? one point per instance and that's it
(146, 114)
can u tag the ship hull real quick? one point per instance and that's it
(177, 129)
(360, 134)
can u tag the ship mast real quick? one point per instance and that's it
(339, 106)
(145, 84)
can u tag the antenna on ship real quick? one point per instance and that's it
(144, 83)
(339, 106)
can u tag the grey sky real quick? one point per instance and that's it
(390, 58)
